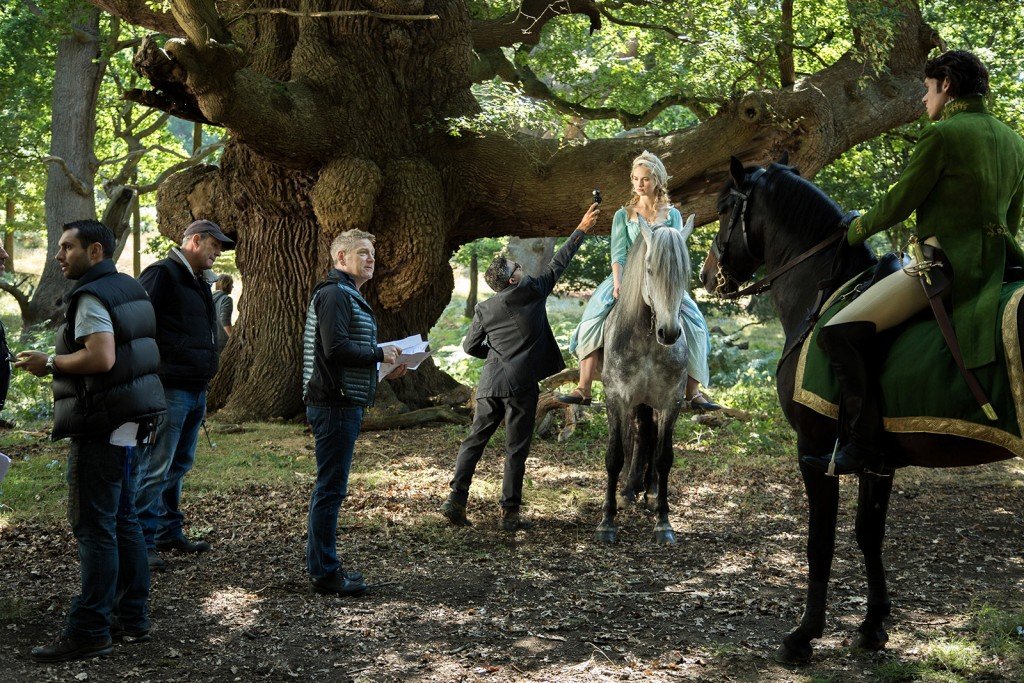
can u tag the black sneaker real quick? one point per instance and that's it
(455, 513)
(156, 563)
(183, 545)
(67, 648)
(338, 584)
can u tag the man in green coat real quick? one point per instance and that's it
(965, 181)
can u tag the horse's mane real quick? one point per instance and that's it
(670, 259)
(798, 205)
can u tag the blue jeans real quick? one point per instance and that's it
(164, 464)
(111, 550)
(335, 430)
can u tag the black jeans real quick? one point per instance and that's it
(519, 413)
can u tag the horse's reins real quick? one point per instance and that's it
(739, 216)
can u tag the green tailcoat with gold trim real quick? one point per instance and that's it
(965, 180)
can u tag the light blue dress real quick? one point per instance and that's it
(589, 334)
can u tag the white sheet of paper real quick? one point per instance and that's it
(414, 351)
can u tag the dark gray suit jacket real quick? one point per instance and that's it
(512, 332)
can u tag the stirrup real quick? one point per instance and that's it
(831, 471)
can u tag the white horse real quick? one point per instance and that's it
(645, 369)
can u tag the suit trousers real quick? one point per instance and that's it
(519, 413)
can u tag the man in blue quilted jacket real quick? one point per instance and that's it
(339, 380)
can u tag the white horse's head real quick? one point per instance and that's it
(666, 276)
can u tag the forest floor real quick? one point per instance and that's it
(548, 604)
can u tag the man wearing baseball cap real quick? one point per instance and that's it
(179, 287)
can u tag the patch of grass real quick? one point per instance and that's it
(993, 645)
(270, 454)
(1001, 632)
(35, 485)
(955, 655)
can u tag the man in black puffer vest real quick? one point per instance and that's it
(179, 287)
(106, 395)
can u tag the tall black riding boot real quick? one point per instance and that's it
(850, 349)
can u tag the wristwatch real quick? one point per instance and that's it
(51, 365)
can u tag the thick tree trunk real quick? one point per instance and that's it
(69, 186)
(282, 253)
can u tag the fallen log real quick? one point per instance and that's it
(414, 418)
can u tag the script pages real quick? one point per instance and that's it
(414, 352)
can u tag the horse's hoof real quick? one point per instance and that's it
(870, 638)
(623, 502)
(651, 503)
(664, 535)
(606, 533)
(793, 655)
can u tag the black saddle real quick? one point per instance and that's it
(887, 265)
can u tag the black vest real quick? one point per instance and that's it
(96, 405)
(186, 325)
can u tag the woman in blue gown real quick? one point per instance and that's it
(650, 200)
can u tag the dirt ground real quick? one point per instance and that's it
(548, 604)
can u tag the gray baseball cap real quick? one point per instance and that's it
(205, 227)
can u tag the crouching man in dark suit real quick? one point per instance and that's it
(512, 332)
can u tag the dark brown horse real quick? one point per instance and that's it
(772, 217)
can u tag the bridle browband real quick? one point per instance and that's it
(739, 217)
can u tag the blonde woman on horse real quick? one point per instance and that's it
(649, 200)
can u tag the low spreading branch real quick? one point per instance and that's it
(21, 297)
(79, 187)
(196, 158)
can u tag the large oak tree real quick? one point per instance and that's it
(340, 113)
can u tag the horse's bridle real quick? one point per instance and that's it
(738, 217)
(739, 210)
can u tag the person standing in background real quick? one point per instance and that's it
(224, 307)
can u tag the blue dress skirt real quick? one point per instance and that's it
(589, 334)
